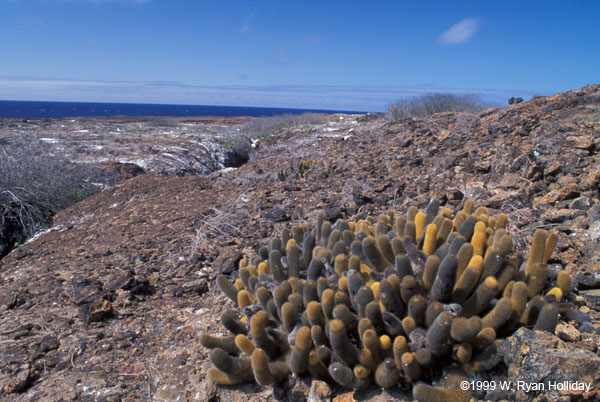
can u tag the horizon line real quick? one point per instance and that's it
(373, 98)
(184, 104)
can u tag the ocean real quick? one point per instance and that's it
(34, 109)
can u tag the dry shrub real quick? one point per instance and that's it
(221, 224)
(36, 182)
(426, 105)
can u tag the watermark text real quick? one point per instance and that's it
(526, 386)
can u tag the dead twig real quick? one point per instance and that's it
(221, 224)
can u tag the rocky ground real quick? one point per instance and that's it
(170, 146)
(105, 151)
(109, 303)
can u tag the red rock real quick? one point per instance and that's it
(582, 142)
(19, 381)
(561, 215)
(591, 180)
(227, 261)
(99, 310)
(539, 357)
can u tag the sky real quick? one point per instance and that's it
(342, 55)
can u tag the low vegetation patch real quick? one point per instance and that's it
(426, 105)
(263, 127)
(35, 183)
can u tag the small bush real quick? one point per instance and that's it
(35, 184)
(267, 126)
(426, 105)
(237, 143)
(222, 225)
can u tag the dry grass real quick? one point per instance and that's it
(267, 126)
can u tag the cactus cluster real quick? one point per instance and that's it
(387, 300)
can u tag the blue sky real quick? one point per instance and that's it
(351, 55)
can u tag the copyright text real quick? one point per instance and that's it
(525, 386)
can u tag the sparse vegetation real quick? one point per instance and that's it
(237, 143)
(222, 224)
(263, 127)
(426, 105)
(35, 184)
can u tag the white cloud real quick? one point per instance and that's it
(459, 32)
(248, 23)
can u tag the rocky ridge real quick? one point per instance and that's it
(109, 303)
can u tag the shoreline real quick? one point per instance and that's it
(128, 119)
(180, 119)
(50, 109)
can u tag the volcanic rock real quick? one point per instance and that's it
(135, 248)
(536, 357)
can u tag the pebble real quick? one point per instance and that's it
(578, 315)
(588, 280)
(567, 332)
(99, 310)
(588, 327)
(19, 381)
(592, 297)
(319, 391)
